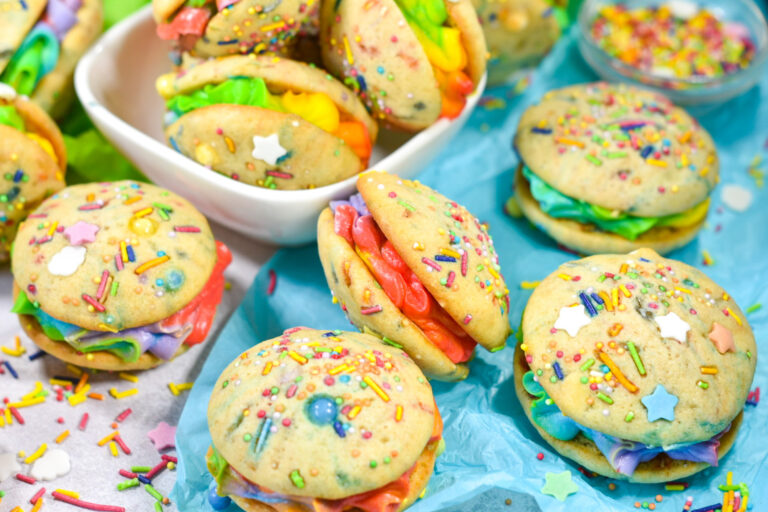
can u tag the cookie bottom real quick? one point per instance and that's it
(425, 465)
(586, 239)
(101, 360)
(661, 468)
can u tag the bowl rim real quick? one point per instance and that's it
(208, 176)
(585, 19)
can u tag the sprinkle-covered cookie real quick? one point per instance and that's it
(123, 267)
(209, 28)
(643, 357)
(620, 161)
(267, 121)
(416, 269)
(411, 62)
(318, 416)
(33, 162)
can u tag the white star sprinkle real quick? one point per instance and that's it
(672, 326)
(571, 319)
(268, 149)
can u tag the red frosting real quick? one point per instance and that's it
(383, 499)
(401, 285)
(200, 311)
(189, 21)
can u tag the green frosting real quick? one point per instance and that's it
(237, 90)
(557, 204)
(36, 57)
(427, 15)
(9, 117)
(216, 465)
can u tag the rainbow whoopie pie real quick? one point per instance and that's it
(322, 421)
(416, 269)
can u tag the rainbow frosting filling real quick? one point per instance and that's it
(316, 108)
(623, 455)
(558, 205)
(38, 53)
(444, 48)
(190, 325)
(9, 116)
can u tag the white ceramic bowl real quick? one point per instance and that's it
(115, 81)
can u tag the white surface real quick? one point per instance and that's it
(115, 81)
(94, 471)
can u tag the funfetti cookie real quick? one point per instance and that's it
(268, 121)
(519, 33)
(417, 270)
(40, 44)
(33, 162)
(208, 28)
(635, 366)
(117, 276)
(323, 420)
(610, 168)
(411, 61)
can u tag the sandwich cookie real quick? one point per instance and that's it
(266, 121)
(411, 61)
(519, 33)
(324, 421)
(208, 28)
(33, 162)
(607, 168)
(417, 270)
(117, 276)
(40, 44)
(635, 366)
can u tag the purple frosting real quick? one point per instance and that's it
(625, 455)
(356, 201)
(161, 341)
(61, 16)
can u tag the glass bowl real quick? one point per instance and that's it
(697, 90)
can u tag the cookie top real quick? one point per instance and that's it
(279, 74)
(112, 256)
(640, 347)
(379, 55)
(321, 414)
(243, 26)
(447, 248)
(619, 147)
(32, 162)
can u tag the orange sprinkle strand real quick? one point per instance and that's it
(617, 373)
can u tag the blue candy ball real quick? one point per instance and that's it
(322, 410)
(216, 501)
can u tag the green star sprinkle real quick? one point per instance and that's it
(559, 485)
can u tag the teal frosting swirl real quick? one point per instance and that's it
(36, 57)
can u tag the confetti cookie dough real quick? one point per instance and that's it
(208, 28)
(519, 33)
(318, 420)
(417, 270)
(410, 61)
(117, 275)
(614, 168)
(635, 366)
(33, 162)
(40, 44)
(267, 121)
